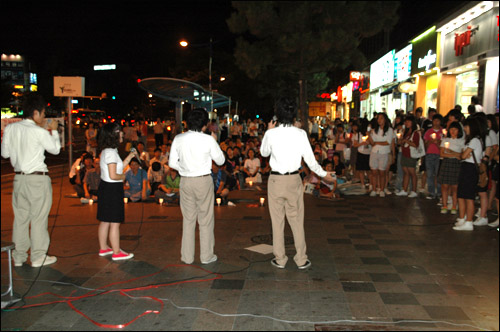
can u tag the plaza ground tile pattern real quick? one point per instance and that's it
(392, 260)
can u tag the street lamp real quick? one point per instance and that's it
(184, 43)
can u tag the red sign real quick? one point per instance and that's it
(463, 39)
(354, 76)
(339, 94)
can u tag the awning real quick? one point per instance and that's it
(177, 90)
(389, 90)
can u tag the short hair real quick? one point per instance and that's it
(139, 142)
(33, 102)
(157, 149)
(474, 100)
(135, 160)
(196, 119)
(438, 116)
(88, 156)
(419, 110)
(285, 109)
(156, 166)
(456, 125)
(109, 136)
(471, 109)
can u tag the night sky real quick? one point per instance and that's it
(143, 33)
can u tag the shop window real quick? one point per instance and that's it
(466, 87)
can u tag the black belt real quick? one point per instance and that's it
(287, 173)
(33, 173)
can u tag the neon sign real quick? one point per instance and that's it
(428, 60)
(354, 76)
(463, 39)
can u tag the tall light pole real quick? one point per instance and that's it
(184, 43)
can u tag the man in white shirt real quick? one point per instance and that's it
(25, 143)
(191, 154)
(287, 145)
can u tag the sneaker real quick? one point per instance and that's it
(382, 194)
(478, 213)
(430, 197)
(481, 222)
(84, 200)
(373, 193)
(105, 252)
(211, 260)
(467, 226)
(460, 222)
(453, 211)
(402, 193)
(493, 224)
(121, 256)
(306, 265)
(412, 194)
(18, 264)
(274, 262)
(46, 260)
(387, 191)
(444, 211)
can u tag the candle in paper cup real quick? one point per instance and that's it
(433, 136)
(91, 201)
(250, 182)
(398, 135)
(262, 200)
(445, 132)
(446, 145)
(218, 201)
(77, 167)
(160, 200)
(125, 200)
(365, 138)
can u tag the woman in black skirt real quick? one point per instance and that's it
(110, 209)
(469, 175)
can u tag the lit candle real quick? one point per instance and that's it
(433, 136)
(91, 201)
(445, 132)
(250, 183)
(446, 145)
(77, 167)
(262, 200)
(160, 200)
(125, 200)
(365, 138)
(218, 201)
(398, 135)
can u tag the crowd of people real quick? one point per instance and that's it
(409, 156)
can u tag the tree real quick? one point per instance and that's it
(284, 42)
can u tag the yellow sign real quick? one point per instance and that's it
(319, 108)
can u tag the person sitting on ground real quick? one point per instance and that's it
(251, 168)
(91, 182)
(156, 173)
(80, 169)
(338, 165)
(144, 155)
(219, 177)
(325, 189)
(169, 187)
(137, 185)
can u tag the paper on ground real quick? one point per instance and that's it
(264, 249)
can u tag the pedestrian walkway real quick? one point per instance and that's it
(377, 263)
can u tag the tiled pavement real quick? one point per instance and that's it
(373, 260)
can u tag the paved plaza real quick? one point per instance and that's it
(377, 263)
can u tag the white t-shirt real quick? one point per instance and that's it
(252, 165)
(491, 138)
(110, 156)
(456, 144)
(363, 149)
(380, 137)
(475, 145)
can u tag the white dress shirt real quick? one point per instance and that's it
(381, 137)
(192, 154)
(287, 146)
(25, 143)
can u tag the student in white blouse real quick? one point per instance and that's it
(25, 143)
(191, 154)
(383, 153)
(287, 145)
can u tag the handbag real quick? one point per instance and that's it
(482, 170)
(418, 152)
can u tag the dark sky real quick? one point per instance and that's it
(142, 32)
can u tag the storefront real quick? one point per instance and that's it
(469, 61)
(425, 57)
(381, 79)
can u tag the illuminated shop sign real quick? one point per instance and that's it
(424, 52)
(33, 78)
(463, 39)
(403, 63)
(382, 71)
(104, 67)
(355, 76)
